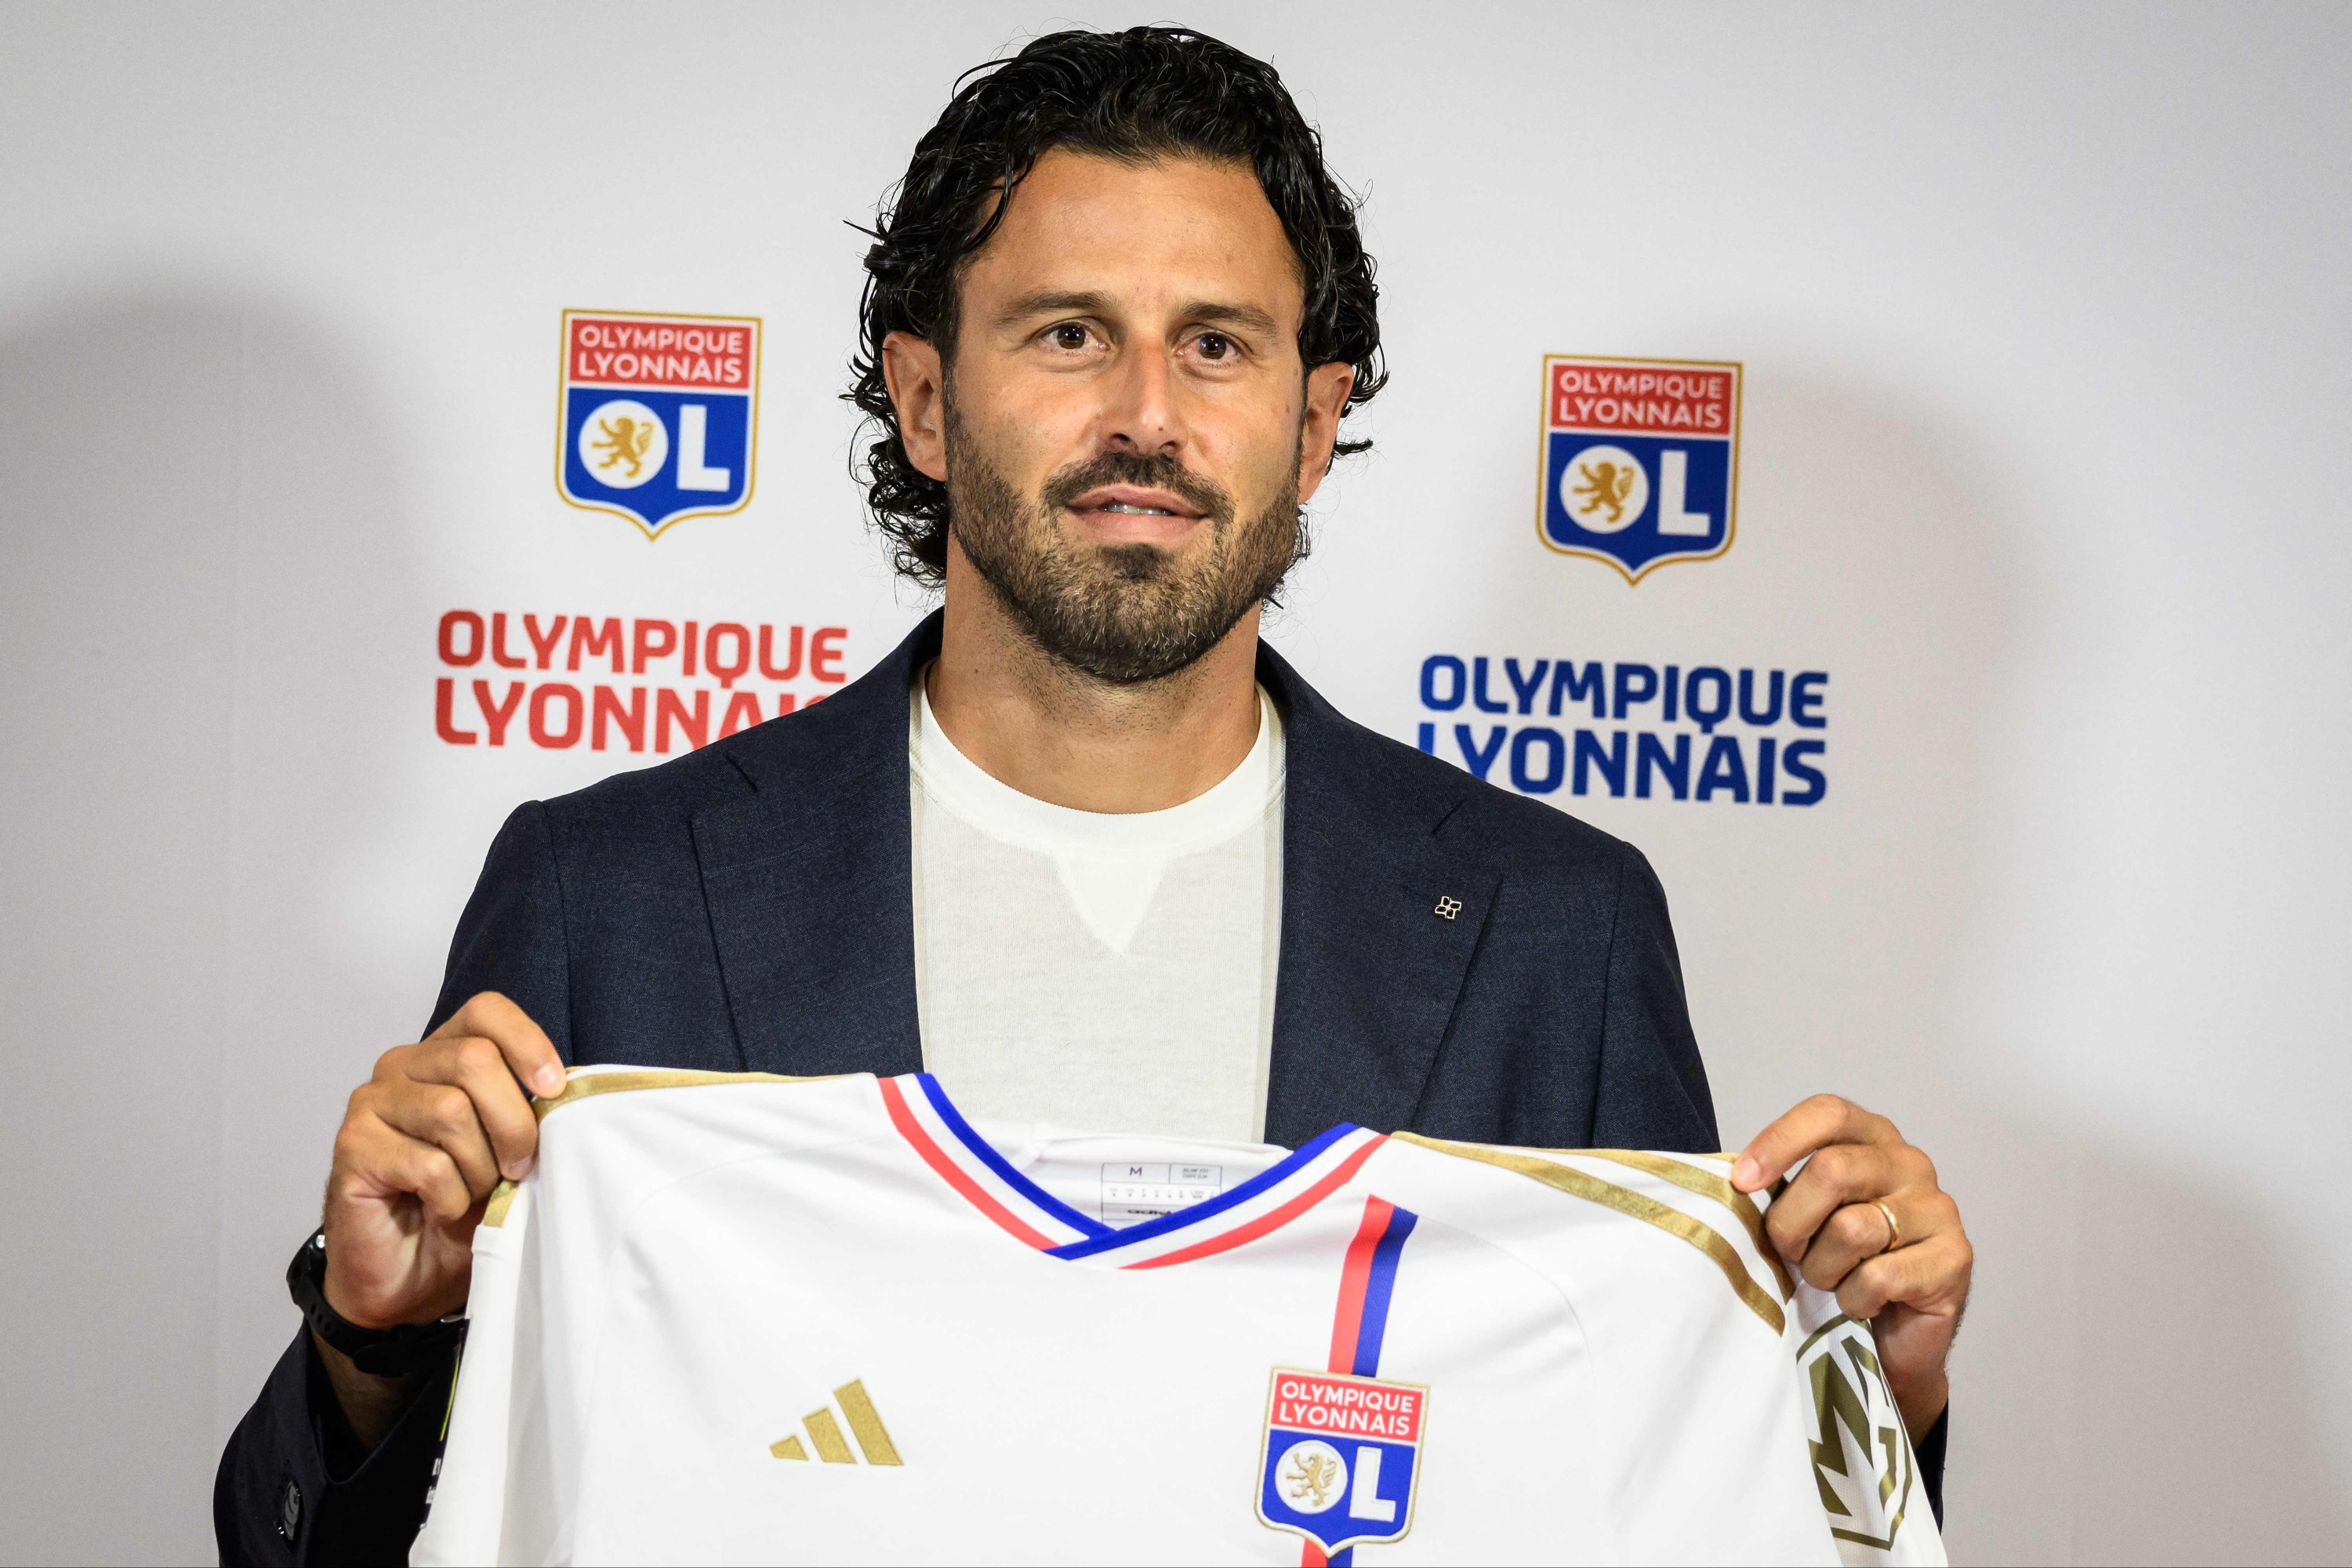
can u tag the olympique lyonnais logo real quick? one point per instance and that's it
(1343, 1457)
(657, 415)
(1640, 460)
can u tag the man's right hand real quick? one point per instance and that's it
(422, 1143)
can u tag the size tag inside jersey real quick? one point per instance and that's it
(1136, 1192)
(1125, 1179)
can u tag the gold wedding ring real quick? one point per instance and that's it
(1894, 1231)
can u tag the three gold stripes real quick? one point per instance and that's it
(824, 1432)
(1649, 1210)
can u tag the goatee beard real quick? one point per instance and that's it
(1123, 614)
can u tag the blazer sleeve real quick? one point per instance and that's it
(1653, 1092)
(511, 938)
(294, 1489)
(292, 1486)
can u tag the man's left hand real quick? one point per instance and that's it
(1905, 1267)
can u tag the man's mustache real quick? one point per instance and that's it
(1141, 469)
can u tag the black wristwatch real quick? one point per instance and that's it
(380, 1353)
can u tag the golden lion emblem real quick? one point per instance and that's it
(628, 440)
(1317, 1473)
(1605, 484)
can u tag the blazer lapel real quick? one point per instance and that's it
(809, 885)
(1379, 921)
(809, 882)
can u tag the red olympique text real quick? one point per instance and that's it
(636, 682)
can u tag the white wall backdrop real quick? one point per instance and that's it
(2043, 319)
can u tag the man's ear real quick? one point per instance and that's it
(1328, 386)
(911, 368)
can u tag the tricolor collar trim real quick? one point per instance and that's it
(928, 1121)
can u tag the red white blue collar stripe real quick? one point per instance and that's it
(929, 1121)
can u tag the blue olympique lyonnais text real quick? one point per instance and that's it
(1703, 734)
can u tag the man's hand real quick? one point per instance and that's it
(421, 1144)
(1906, 1268)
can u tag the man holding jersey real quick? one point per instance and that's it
(1082, 845)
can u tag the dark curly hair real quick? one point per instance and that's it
(1144, 93)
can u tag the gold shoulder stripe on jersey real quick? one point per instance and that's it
(1632, 1205)
(582, 1086)
(1732, 1156)
(1707, 1184)
(494, 1214)
(824, 1432)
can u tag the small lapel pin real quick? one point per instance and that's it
(1448, 908)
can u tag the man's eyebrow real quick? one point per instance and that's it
(1248, 317)
(1055, 301)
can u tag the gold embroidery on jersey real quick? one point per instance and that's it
(1315, 1474)
(825, 1432)
(1707, 1184)
(788, 1447)
(1632, 1205)
(1815, 1337)
(581, 1086)
(502, 1197)
(866, 1423)
(1839, 1402)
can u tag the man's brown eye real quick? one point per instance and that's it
(1215, 346)
(1070, 335)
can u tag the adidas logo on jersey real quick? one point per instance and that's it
(824, 1432)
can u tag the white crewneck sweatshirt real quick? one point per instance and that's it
(1091, 970)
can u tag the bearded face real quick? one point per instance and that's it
(1121, 613)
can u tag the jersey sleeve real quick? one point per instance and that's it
(1682, 1313)
(1688, 1323)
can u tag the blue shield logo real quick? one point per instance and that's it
(657, 415)
(1640, 460)
(1342, 1457)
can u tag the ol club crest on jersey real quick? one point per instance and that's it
(657, 415)
(1640, 459)
(1343, 1457)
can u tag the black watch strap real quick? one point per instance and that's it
(380, 1353)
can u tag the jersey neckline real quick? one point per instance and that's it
(978, 1172)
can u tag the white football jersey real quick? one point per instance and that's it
(736, 1318)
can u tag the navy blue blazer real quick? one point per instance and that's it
(1455, 959)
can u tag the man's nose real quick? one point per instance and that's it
(1139, 411)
